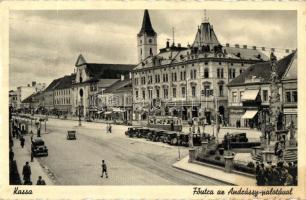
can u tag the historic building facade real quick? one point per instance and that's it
(92, 78)
(186, 81)
(249, 93)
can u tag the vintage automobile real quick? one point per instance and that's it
(157, 135)
(132, 131)
(143, 132)
(237, 140)
(71, 135)
(39, 148)
(171, 137)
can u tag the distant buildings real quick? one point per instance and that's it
(249, 93)
(25, 91)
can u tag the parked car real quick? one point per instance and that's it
(132, 131)
(71, 135)
(39, 148)
(172, 137)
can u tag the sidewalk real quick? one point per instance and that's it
(217, 174)
(22, 155)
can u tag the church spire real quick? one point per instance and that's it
(146, 25)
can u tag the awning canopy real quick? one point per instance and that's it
(249, 95)
(249, 114)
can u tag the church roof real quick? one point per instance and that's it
(107, 71)
(263, 71)
(205, 36)
(146, 25)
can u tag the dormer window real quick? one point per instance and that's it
(150, 41)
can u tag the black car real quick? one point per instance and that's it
(39, 148)
(132, 131)
(71, 135)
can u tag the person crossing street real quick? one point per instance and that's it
(104, 169)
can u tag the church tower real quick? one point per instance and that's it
(146, 39)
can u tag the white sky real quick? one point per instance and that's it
(44, 45)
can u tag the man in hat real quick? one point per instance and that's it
(26, 172)
(104, 169)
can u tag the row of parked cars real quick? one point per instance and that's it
(165, 136)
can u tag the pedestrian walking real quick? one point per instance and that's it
(104, 169)
(172, 126)
(40, 181)
(110, 128)
(22, 140)
(26, 172)
(107, 128)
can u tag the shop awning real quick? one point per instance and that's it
(249, 95)
(249, 114)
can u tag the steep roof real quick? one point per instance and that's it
(53, 84)
(31, 98)
(291, 72)
(61, 83)
(119, 86)
(65, 82)
(146, 25)
(107, 71)
(205, 36)
(263, 71)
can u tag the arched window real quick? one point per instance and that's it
(221, 93)
(151, 53)
(150, 40)
(206, 73)
(140, 51)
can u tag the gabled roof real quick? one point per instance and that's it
(61, 83)
(32, 98)
(53, 85)
(146, 25)
(263, 71)
(119, 86)
(80, 61)
(291, 72)
(65, 82)
(107, 71)
(205, 36)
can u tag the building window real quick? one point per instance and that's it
(136, 94)
(157, 93)
(165, 93)
(150, 41)
(174, 92)
(220, 73)
(265, 95)
(234, 97)
(241, 95)
(193, 74)
(206, 90)
(143, 94)
(173, 76)
(221, 93)
(165, 78)
(183, 92)
(240, 71)
(193, 91)
(150, 93)
(206, 73)
(294, 96)
(151, 53)
(232, 73)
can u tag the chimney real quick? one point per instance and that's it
(28, 85)
(179, 44)
(167, 44)
(287, 50)
(227, 45)
(33, 83)
(122, 77)
(263, 48)
(254, 47)
(245, 46)
(273, 49)
(130, 75)
(236, 45)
